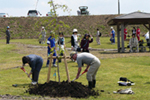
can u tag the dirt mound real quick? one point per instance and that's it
(62, 89)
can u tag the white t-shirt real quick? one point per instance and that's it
(147, 35)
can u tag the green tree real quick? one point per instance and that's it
(53, 22)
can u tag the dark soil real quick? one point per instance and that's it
(62, 89)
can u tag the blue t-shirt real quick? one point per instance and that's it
(51, 42)
(113, 33)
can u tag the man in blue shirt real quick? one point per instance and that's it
(51, 48)
(35, 62)
(112, 35)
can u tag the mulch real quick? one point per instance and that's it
(62, 89)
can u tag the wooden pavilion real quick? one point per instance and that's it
(129, 19)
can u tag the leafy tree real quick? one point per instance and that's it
(53, 23)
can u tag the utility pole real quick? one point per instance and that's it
(118, 7)
(36, 4)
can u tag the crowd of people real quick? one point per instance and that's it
(77, 45)
(93, 63)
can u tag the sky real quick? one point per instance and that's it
(95, 7)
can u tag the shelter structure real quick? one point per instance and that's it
(122, 21)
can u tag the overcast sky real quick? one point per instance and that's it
(95, 7)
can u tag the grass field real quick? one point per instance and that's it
(134, 66)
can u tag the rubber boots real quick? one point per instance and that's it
(90, 85)
(94, 82)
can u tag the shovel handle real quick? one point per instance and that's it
(28, 74)
(79, 75)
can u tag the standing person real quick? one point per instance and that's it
(74, 40)
(35, 62)
(61, 44)
(43, 33)
(112, 35)
(134, 31)
(93, 64)
(98, 37)
(125, 33)
(133, 43)
(7, 35)
(85, 43)
(138, 33)
(147, 38)
(51, 48)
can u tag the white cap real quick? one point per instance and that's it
(43, 27)
(75, 30)
(111, 28)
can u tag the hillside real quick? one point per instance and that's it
(29, 27)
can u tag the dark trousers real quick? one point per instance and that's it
(7, 39)
(35, 76)
(35, 73)
(148, 44)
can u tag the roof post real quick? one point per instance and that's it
(149, 33)
(118, 37)
(122, 36)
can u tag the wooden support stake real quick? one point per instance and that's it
(49, 68)
(58, 71)
(65, 61)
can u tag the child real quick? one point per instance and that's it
(85, 43)
(61, 43)
(51, 48)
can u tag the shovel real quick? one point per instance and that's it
(79, 75)
(25, 72)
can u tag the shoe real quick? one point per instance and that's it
(94, 82)
(90, 84)
(54, 65)
(33, 83)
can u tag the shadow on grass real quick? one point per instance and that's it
(21, 85)
(147, 83)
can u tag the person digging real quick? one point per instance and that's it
(35, 62)
(93, 64)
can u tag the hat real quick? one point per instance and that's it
(86, 35)
(8, 27)
(72, 53)
(75, 31)
(43, 27)
(111, 28)
(25, 60)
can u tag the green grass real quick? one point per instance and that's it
(134, 68)
(105, 43)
